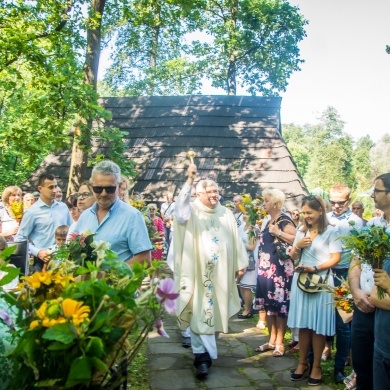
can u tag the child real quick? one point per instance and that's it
(60, 237)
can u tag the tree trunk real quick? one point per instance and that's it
(231, 73)
(81, 141)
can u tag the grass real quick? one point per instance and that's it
(138, 373)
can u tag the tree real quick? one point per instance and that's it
(149, 55)
(254, 42)
(361, 163)
(41, 81)
(380, 156)
(293, 136)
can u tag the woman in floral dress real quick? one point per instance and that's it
(274, 275)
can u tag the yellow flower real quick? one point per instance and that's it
(59, 311)
(75, 311)
(62, 279)
(39, 278)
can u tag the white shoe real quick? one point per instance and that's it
(261, 325)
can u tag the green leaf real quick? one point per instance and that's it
(63, 333)
(80, 372)
(95, 347)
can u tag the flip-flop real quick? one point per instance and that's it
(265, 347)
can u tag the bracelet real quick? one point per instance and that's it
(280, 233)
(298, 249)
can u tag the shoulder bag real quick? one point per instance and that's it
(282, 246)
(311, 283)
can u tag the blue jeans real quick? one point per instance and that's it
(362, 346)
(381, 372)
(343, 331)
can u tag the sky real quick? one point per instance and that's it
(346, 66)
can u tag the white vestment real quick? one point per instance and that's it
(207, 253)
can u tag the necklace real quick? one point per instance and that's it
(313, 231)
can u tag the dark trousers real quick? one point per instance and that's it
(362, 345)
(37, 265)
(343, 330)
(381, 372)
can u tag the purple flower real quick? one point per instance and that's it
(160, 328)
(6, 318)
(166, 295)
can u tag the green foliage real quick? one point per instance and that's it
(150, 41)
(254, 42)
(72, 331)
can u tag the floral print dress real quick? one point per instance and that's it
(274, 275)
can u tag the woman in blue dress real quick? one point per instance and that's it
(318, 248)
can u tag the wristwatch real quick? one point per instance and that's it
(315, 269)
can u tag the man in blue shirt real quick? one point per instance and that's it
(40, 221)
(112, 220)
(341, 216)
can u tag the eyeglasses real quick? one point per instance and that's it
(295, 214)
(339, 203)
(84, 194)
(152, 208)
(99, 190)
(378, 190)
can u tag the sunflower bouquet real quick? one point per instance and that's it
(342, 299)
(17, 210)
(254, 210)
(371, 245)
(71, 325)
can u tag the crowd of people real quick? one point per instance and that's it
(224, 266)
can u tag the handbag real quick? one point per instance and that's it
(310, 283)
(281, 250)
(282, 246)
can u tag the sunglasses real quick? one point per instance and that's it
(99, 190)
(339, 203)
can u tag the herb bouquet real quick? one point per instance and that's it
(72, 324)
(371, 245)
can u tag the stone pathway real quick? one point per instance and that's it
(237, 367)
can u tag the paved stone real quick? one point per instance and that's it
(238, 366)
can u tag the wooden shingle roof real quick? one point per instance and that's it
(237, 141)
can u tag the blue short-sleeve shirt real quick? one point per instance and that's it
(123, 227)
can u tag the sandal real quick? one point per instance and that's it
(265, 347)
(350, 381)
(279, 351)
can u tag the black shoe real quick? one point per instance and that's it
(202, 370)
(338, 377)
(314, 382)
(243, 316)
(299, 377)
(186, 343)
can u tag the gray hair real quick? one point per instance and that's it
(107, 167)
(205, 183)
(277, 196)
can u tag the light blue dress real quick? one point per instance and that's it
(315, 311)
